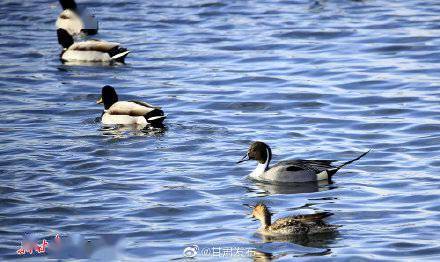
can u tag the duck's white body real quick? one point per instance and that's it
(108, 119)
(86, 56)
(91, 51)
(128, 112)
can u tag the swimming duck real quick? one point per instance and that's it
(291, 225)
(128, 112)
(290, 171)
(89, 51)
(76, 20)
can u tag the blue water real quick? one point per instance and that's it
(313, 79)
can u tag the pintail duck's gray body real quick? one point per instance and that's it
(290, 171)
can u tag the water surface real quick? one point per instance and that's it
(314, 79)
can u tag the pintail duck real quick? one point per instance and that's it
(128, 112)
(76, 19)
(291, 225)
(290, 171)
(89, 51)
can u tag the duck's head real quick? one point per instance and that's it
(108, 97)
(261, 212)
(64, 38)
(68, 4)
(258, 151)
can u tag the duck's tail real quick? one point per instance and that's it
(155, 117)
(314, 217)
(120, 57)
(118, 54)
(156, 121)
(353, 160)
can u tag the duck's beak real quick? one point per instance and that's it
(245, 158)
(251, 207)
(99, 101)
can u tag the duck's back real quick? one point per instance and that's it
(131, 108)
(88, 56)
(302, 224)
(298, 171)
(94, 45)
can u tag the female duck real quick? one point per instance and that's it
(291, 225)
(290, 171)
(128, 112)
(89, 51)
(76, 20)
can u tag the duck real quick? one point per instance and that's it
(90, 50)
(77, 20)
(309, 224)
(128, 112)
(290, 171)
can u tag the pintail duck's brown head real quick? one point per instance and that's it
(258, 151)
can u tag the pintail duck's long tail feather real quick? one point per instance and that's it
(353, 160)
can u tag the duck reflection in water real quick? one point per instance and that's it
(123, 131)
(295, 188)
(262, 256)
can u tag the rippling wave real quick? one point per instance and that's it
(314, 79)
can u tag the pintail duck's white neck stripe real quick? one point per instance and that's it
(261, 168)
(268, 158)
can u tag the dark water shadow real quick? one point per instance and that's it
(295, 188)
(274, 248)
(65, 65)
(323, 240)
(122, 131)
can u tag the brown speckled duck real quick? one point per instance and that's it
(291, 225)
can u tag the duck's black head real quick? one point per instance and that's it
(68, 4)
(108, 97)
(64, 38)
(258, 151)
